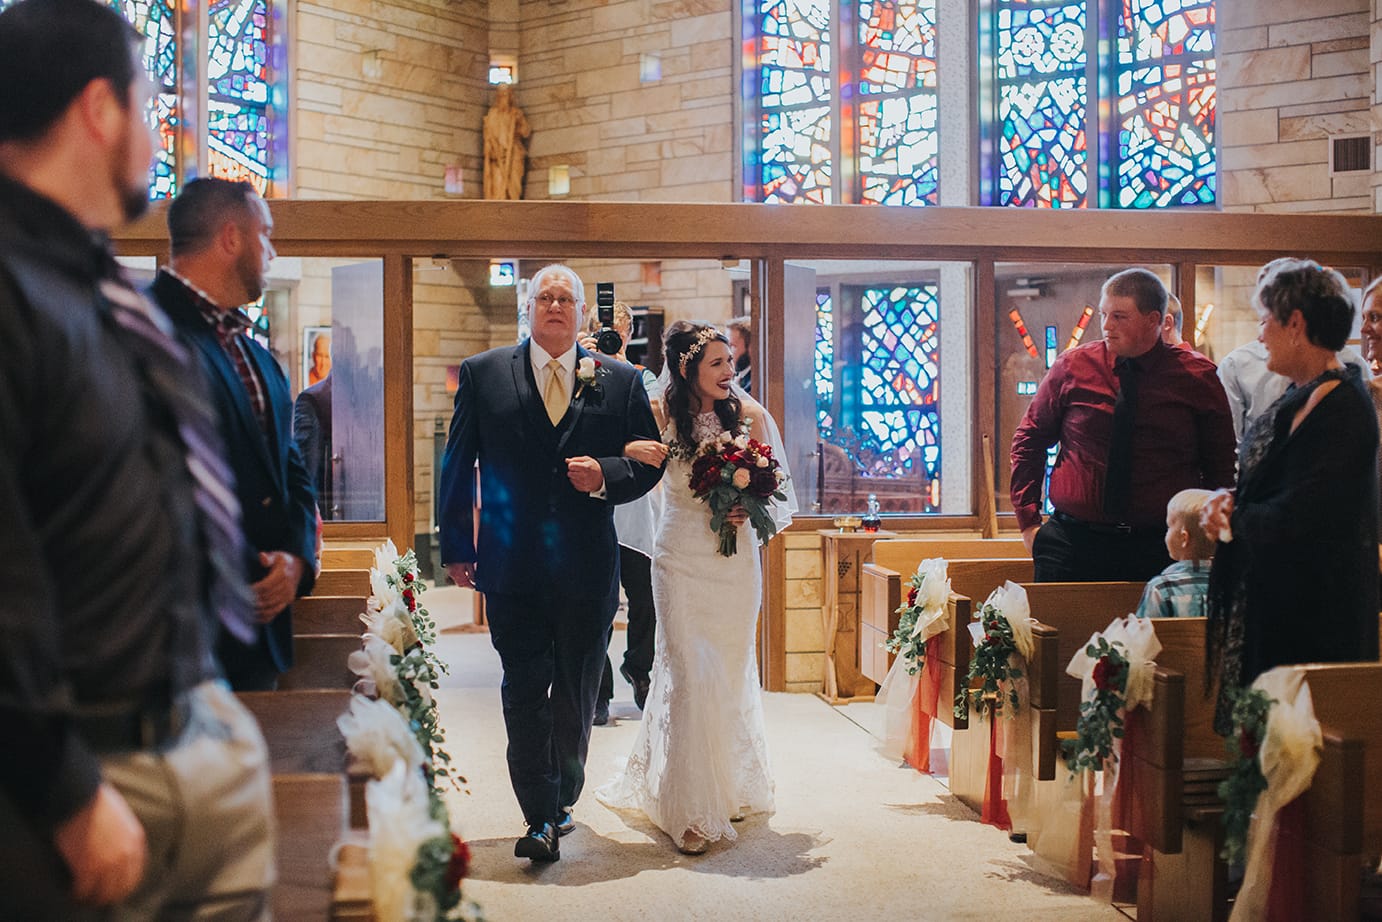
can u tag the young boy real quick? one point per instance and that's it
(1180, 590)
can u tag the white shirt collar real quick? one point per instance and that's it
(539, 357)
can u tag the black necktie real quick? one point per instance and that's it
(166, 367)
(1118, 474)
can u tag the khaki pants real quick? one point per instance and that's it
(207, 810)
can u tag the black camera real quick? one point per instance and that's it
(608, 339)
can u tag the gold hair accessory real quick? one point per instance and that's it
(693, 350)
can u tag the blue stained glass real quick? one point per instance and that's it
(825, 358)
(239, 110)
(898, 142)
(795, 121)
(899, 409)
(1040, 61)
(155, 20)
(1166, 104)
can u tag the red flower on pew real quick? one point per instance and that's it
(460, 863)
(1101, 670)
(409, 599)
(912, 596)
(408, 576)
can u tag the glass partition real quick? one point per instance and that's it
(878, 385)
(1042, 309)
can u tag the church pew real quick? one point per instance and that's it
(903, 554)
(310, 817)
(353, 899)
(1066, 614)
(347, 558)
(882, 589)
(342, 582)
(319, 661)
(328, 614)
(1072, 606)
(1343, 818)
(300, 730)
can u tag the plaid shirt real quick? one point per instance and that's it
(1179, 591)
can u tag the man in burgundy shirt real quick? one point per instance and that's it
(1137, 421)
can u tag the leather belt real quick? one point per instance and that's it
(1102, 528)
(151, 726)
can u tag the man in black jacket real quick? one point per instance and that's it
(219, 233)
(133, 784)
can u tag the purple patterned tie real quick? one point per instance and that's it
(167, 369)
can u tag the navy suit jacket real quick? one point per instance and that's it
(538, 534)
(277, 503)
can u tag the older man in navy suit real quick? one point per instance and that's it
(219, 232)
(547, 422)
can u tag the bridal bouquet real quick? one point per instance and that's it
(732, 469)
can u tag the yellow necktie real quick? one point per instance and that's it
(554, 394)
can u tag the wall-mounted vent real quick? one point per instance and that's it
(1350, 154)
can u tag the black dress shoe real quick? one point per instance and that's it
(540, 844)
(601, 713)
(566, 823)
(640, 687)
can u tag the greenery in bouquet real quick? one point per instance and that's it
(1101, 717)
(442, 863)
(904, 641)
(1245, 781)
(731, 470)
(991, 666)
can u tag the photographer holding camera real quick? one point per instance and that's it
(607, 330)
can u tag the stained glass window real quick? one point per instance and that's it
(883, 121)
(241, 119)
(1039, 60)
(899, 409)
(239, 91)
(1155, 129)
(792, 45)
(825, 358)
(897, 109)
(1165, 109)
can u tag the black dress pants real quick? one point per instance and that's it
(636, 576)
(1069, 551)
(552, 649)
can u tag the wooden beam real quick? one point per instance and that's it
(398, 399)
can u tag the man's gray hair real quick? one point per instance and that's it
(577, 286)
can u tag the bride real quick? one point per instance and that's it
(700, 761)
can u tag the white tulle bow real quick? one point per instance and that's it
(393, 625)
(399, 823)
(932, 597)
(378, 736)
(1010, 600)
(378, 675)
(1139, 646)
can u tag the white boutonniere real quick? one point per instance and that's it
(587, 371)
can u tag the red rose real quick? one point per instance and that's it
(912, 596)
(408, 598)
(988, 640)
(1247, 745)
(459, 865)
(408, 576)
(1101, 674)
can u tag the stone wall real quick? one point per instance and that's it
(1290, 76)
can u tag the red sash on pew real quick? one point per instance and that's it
(995, 811)
(1286, 896)
(924, 704)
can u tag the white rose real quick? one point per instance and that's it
(741, 478)
(586, 368)
(762, 461)
(741, 441)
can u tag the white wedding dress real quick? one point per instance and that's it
(700, 756)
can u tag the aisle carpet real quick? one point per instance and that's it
(855, 836)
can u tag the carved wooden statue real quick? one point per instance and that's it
(506, 149)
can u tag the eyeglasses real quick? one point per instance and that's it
(547, 300)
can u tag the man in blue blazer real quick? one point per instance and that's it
(547, 422)
(219, 236)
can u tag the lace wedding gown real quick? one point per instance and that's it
(700, 756)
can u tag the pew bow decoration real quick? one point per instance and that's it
(1002, 633)
(910, 692)
(393, 730)
(1115, 669)
(1287, 755)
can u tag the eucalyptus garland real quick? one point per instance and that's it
(903, 643)
(420, 667)
(1240, 790)
(991, 662)
(1101, 717)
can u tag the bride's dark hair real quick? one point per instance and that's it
(683, 348)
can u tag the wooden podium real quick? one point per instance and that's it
(844, 553)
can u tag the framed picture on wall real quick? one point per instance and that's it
(316, 355)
